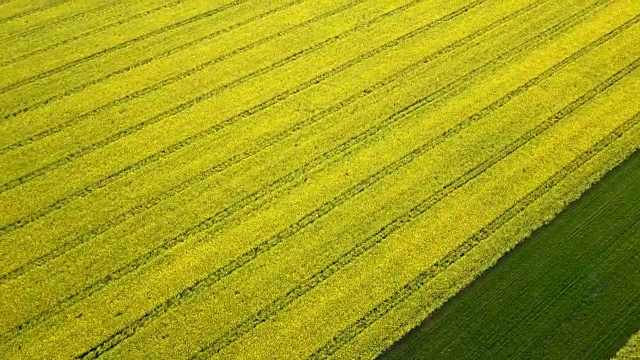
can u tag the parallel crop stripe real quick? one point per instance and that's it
(253, 150)
(103, 228)
(227, 122)
(258, 147)
(120, 46)
(328, 239)
(261, 248)
(23, 34)
(185, 105)
(347, 334)
(135, 265)
(32, 11)
(190, 72)
(370, 242)
(129, 97)
(88, 291)
(87, 33)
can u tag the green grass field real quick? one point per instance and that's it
(571, 291)
(289, 178)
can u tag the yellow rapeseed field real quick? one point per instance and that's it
(631, 351)
(287, 179)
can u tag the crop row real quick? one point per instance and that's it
(320, 202)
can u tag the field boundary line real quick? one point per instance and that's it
(347, 334)
(123, 70)
(120, 46)
(242, 260)
(202, 134)
(87, 33)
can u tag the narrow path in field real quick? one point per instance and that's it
(571, 291)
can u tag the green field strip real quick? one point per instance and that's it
(190, 291)
(347, 334)
(255, 109)
(51, 19)
(193, 39)
(373, 198)
(600, 212)
(151, 26)
(377, 340)
(306, 286)
(25, 10)
(631, 351)
(109, 208)
(402, 318)
(285, 337)
(384, 332)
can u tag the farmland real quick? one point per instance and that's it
(631, 350)
(287, 179)
(569, 292)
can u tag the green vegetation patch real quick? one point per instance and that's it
(571, 291)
